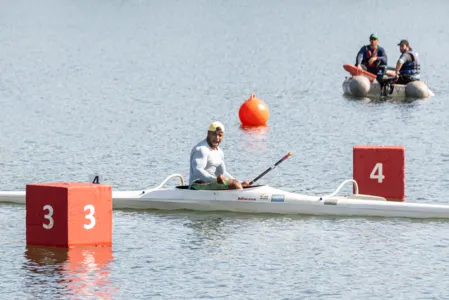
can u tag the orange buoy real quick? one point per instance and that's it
(253, 112)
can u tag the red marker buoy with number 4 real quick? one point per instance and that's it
(69, 214)
(380, 171)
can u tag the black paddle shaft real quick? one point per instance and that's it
(271, 168)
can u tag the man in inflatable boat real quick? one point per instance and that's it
(371, 57)
(407, 66)
(406, 70)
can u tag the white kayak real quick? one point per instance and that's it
(262, 199)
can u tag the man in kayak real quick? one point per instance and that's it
(207, 167)
(407, 66)
(372, 56)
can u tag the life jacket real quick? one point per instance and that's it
(368, 55)
(410, 67)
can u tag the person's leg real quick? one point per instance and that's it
(403, 80)
(206, 186)
(234, 184)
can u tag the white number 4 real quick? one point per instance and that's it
(379, 176)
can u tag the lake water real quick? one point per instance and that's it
(126, 88)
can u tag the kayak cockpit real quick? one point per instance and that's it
(186, 187)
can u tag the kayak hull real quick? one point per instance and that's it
(263, 199)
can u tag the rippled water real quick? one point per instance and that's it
(126, 88)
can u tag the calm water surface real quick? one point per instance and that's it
(126, 88)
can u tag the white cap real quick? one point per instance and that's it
(216, 125)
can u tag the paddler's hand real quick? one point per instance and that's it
(360, 67)
(245, 183)
(221, 179)
(372, 59)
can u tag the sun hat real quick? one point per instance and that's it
(403, 42)
(373, 36)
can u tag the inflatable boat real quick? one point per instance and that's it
(364, 84)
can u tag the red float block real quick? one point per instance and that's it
(380, 171)
(69, 214)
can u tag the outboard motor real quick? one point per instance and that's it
(385, 82)
(381, 73)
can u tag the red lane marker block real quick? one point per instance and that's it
(69, 214)
(380, 171)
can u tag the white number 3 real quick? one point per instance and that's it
(48, 216)
(377, 168)
(51, 221)
(90, 216)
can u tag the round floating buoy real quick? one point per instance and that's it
(253, 112)
(417, 89)
(359, 86)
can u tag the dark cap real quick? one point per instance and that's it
(373, 36)
(403, 42)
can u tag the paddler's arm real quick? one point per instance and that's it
(222, 170)
(199, 162)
